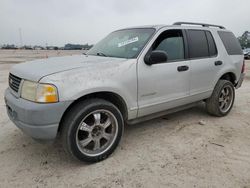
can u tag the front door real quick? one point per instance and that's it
(165, 85)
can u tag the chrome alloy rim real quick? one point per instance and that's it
(97, 132)
(226, 99)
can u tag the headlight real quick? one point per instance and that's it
(36, 92)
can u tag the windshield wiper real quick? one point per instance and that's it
(101, 54)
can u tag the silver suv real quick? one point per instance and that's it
(132, 75)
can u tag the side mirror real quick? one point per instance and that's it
(157, 56)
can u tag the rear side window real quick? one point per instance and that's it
(230, 42)
(198, 46)
(211, 44)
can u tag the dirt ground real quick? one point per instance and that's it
(184, 149)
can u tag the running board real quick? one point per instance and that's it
(163, 113)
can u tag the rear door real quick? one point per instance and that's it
(204, 61)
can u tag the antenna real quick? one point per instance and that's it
(20, 37)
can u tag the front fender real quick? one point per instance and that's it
(120, 80)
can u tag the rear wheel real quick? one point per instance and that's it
(222, 99)
(92, 130)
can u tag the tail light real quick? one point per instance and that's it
(243, 67)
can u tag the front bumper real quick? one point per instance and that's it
(40, 121)
(239, 83)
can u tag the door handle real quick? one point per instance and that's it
(217, 63)
(182, 68)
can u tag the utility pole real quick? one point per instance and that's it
(20, 37)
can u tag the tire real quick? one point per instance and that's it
(92, 130)
(222, 99)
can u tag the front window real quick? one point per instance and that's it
(171, 42)
(126, 43)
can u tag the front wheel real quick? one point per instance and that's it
(222, 99)
(92, 130)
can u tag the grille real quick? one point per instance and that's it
(14, 82)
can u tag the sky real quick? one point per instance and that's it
(57, 22)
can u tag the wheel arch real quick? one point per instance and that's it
(230, 76)
(112, 97)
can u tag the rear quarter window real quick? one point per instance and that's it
(230, 42)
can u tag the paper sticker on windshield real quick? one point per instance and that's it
(124, 43)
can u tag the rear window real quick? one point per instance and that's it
(198, 46)
(230, 42)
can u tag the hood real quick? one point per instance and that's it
(37, 69)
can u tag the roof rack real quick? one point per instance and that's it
(202, 24)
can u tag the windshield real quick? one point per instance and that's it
(126, 43)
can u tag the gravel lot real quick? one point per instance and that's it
(184, 149)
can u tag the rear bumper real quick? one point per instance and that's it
(40, 121)
(239, 83)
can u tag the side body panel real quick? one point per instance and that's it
(149, 89)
